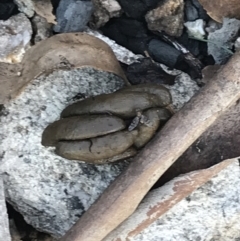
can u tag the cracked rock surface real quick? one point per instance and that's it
(51, 192)
(211, 213)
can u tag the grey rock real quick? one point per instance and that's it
(163, 52)
(222, 40)
(103, 11)
(26, 7)
(73, 15)
(15, 36)
(237, 44)
(4, 224)
(42, 28)
(49, 191)
(196, 28)
(191, 12)
(210, 213)
(183, 89)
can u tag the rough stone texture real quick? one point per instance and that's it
(191, 13)
(103, 11)
(50, 192)
(15, 36)
(210, 213)
(34, 176)
(183, 89)
(196, 28)
(168, 17)
(160, 200)
(4, 225)
(42, 28)
(223, 39)
(26, 7)
(73, 16)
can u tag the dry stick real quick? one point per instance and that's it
(122, 197)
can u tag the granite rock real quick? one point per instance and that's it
(73, 15)
(49, 191)
(210, 213)
(103, 11)
(15, 36)
(26, 7)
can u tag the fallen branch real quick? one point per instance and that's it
(122, 197)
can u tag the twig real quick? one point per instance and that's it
(122, 197)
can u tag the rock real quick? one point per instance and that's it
(42, 176)
(42, 8)
(221, 41)
(167, 16)
(41, 28)
(190, 10)
(147, 71)
(163, 52)
(73, 15)
(34, 175)
(194, 10)
(159, 201)
(103, 11)
(4, 225)
(45, 10)
(212, 26)
(26, 7)
(15, 36)
(196, 28)
(183, 90)
(211, 212)
(237, 44)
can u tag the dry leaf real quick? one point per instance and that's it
(44, 8)
(62, 51)
(219, 9)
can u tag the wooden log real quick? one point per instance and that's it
(122, 197)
